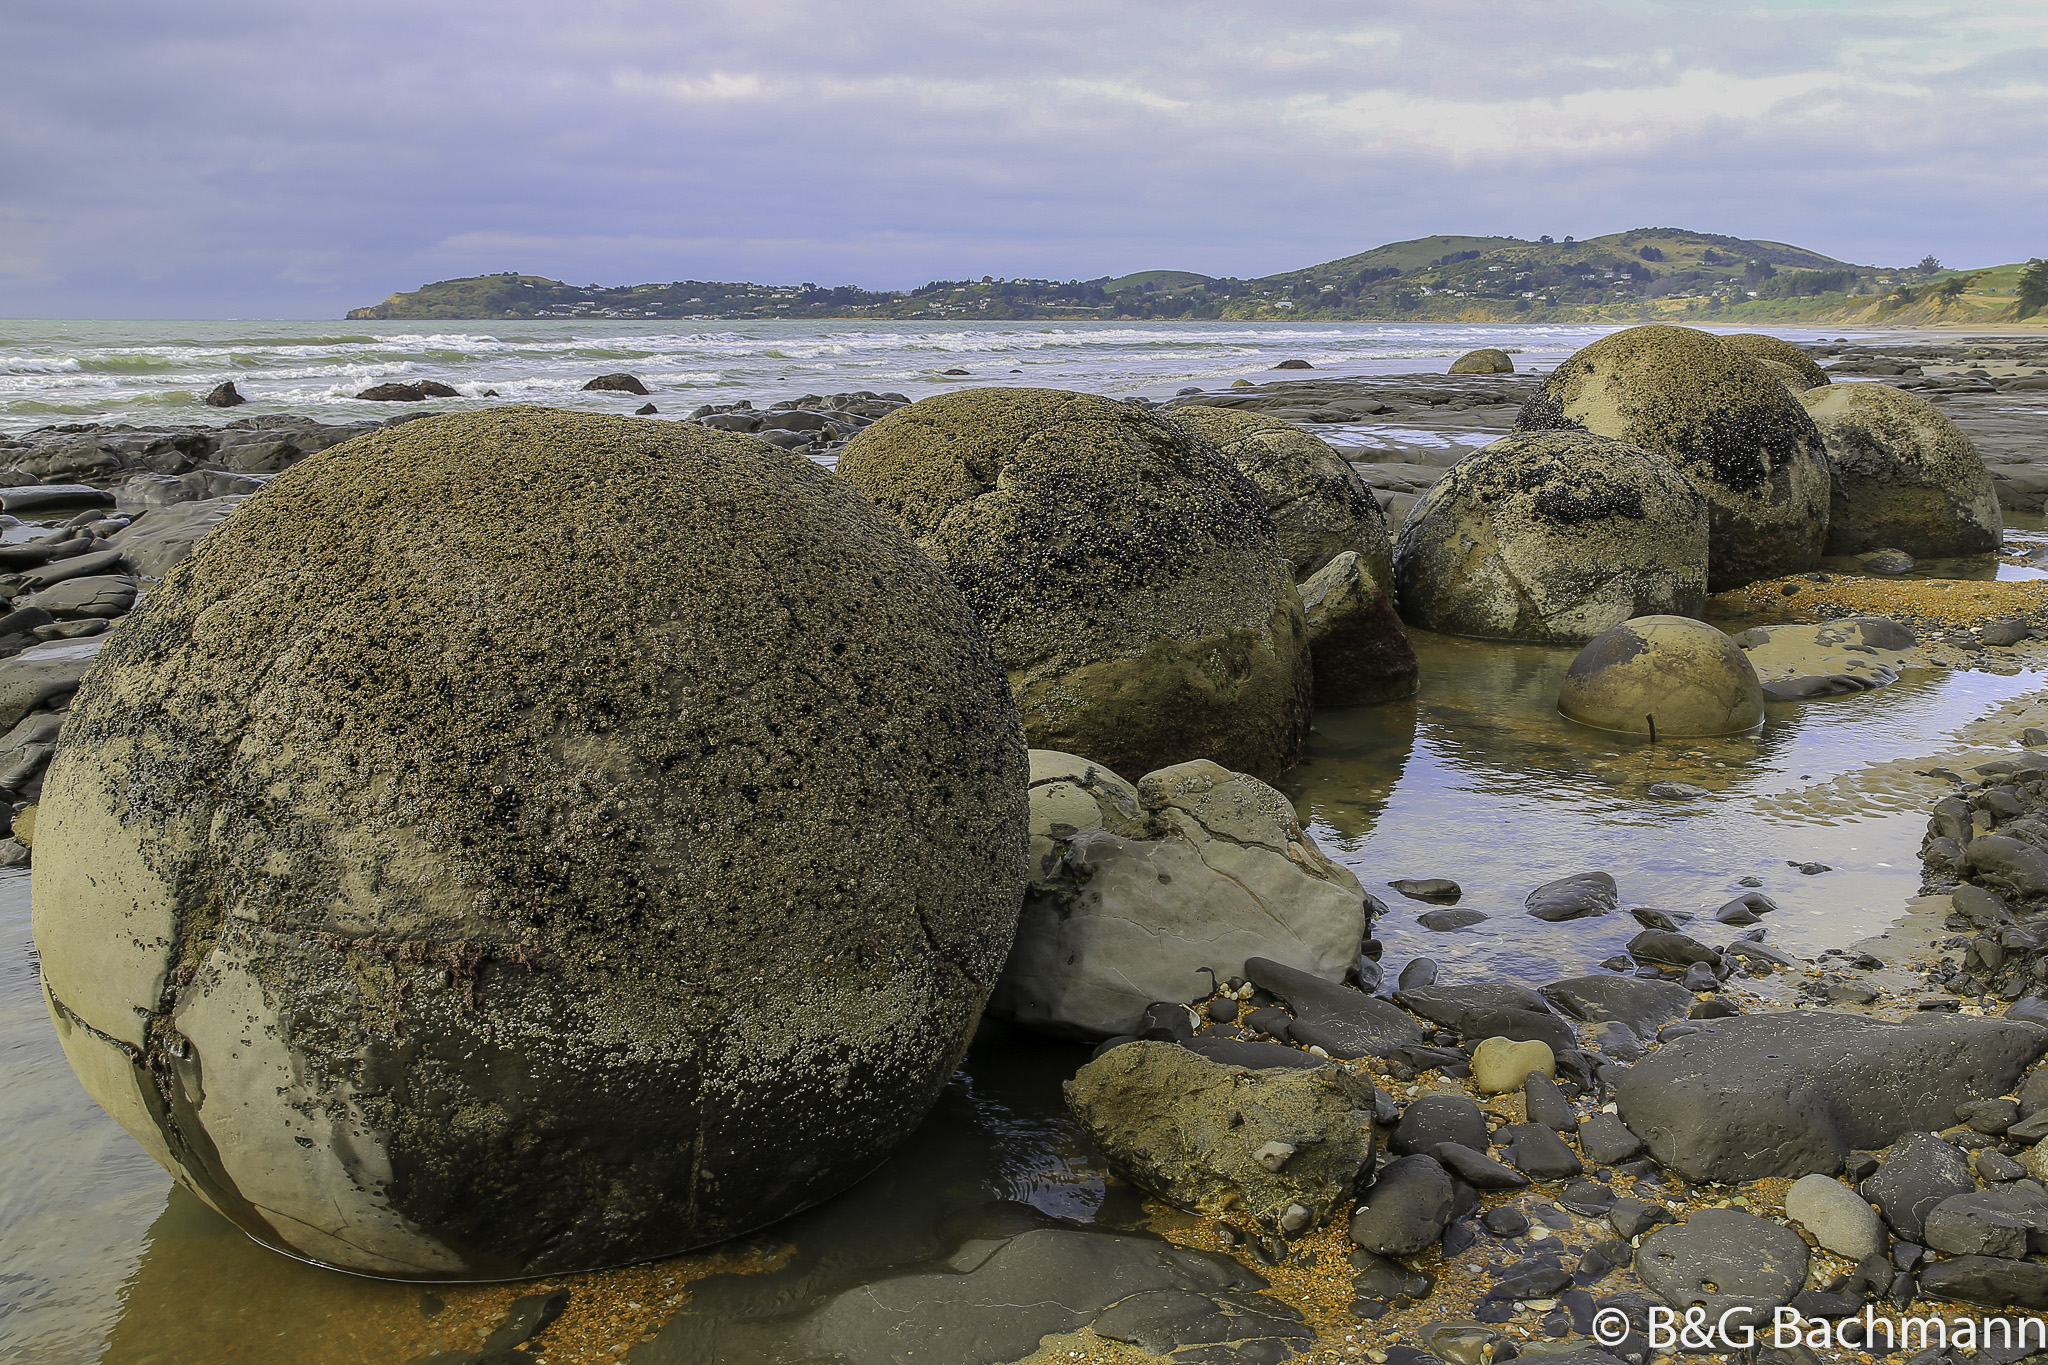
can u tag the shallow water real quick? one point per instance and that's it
(1478, 779)
(155, 373)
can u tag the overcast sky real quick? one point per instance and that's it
(295, 158)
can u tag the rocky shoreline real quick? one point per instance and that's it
(1359, 1160)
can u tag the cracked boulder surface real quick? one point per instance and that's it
(1357, 641)
(1155, 891)
(1320, 506)
(504, 820)
(1553, 536)
(1904, 477)
(1730, 426)
(1126, 572)
(1282, 1149)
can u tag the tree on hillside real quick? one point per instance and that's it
(1928, 265)
(2033, 287)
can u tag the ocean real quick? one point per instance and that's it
(156, 373)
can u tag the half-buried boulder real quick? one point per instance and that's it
(1663, 675)
(1139, 893)
(1777, 350)
(431, 921)
(1485, 360)
(1127, 573)
(1726, 422)
(1905, 476)
(1556, 536)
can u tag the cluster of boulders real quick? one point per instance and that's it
(1987, 847)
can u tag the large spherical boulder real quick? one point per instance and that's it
(1762, 346)
(1905, 477)
(1127, 574)
(1320, 507)
(1665, 677)
(1725, 421)
(1553, 535)
(525, 842)
(1485, 360)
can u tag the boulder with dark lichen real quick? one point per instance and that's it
(1727, 423)
(432, 921)
(1763, 346)
(1905, 477)
(1555, 536)
(1126, 572)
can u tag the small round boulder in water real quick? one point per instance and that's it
(1727, 423)
(1663, 676)
(1905, 477)
(1552, 535)
(527, 842)
(1485, 360)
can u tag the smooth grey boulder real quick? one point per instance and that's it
(1643, 1006)
(42, 497)
(1358, 645)
(1724, 1261)
(168, 534)
(1136, 890)
(2008, 864)
(44, 673)
(1341, 1021)
(1476, 1168)
(1407, 1208)
(1992, 1281)
(1793, 1093)
(1836, 1216)
(77, 566)
(1672, 949)
(1574, 897)
(1919, 1172)
(1541, 1154)
(2007, 1222)
(1903, 476)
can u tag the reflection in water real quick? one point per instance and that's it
(1479, 779)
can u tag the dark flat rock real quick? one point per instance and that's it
(1407, 1208)
(1722, 1260)
(1343, 1022)
(1991, 1281)
(1921, 1172)
(1435, 1119)
(1437, 890)
(1491, 1009)
(1644, 1006)
(36, 497)
(1794, 1093)
(1254, 1056)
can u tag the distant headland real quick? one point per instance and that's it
(1640, 275)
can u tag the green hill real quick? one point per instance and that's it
(1643, 274)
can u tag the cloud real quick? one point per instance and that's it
(227, 157)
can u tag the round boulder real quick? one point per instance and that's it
(1725, 421)
(1127, 573)
(1553, 535)
(1663, 676)
(1486, 360)
(528, 842)
(1784, 374)
(1905, 476)
(1320, 507)
(1762, 346)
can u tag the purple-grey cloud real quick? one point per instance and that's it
(226, 157)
